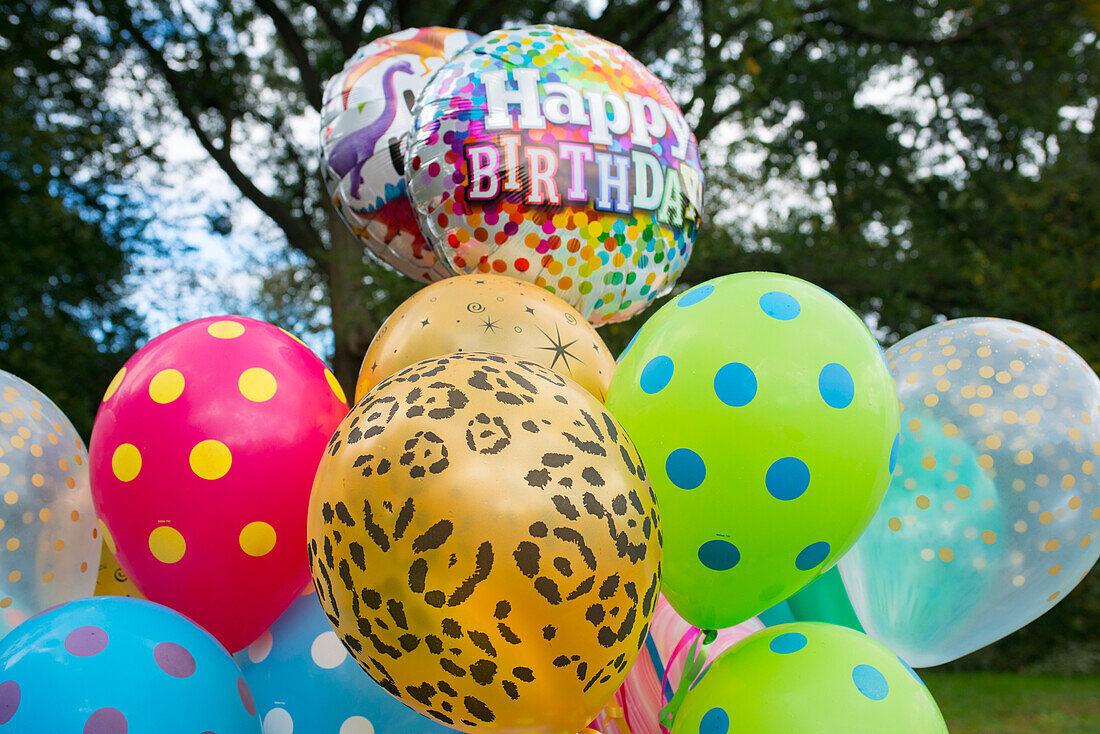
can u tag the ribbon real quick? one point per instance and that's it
(693, 666)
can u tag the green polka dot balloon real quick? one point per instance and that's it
(805, 677)
(767, 417)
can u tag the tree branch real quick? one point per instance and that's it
(311, 84)
(299, 234)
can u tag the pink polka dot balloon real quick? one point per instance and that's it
(202, 459)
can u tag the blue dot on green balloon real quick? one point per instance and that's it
(719, 555)
(811, 556)
(894, 453)
(787, 478)
(735, 384)
(787, 643)
(780, 305)
(836, 386)
(685, 468)
(695, 295)
(870, 682)
(715, 721)
(656, 374)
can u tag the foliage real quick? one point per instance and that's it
(64, 218)
(1002, 703)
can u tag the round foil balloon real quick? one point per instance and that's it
(303, 679)
(809, 677)
(111, 665)
(488, 313)
(765, 412)
(990, 517)
(364, 120)
(550, 155)
(47, 522)
(657, 673)
(485, 542)
(203, 455)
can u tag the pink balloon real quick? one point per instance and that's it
(640, 698)
(202, 460)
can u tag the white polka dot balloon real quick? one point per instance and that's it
(47, 522)
(991, 514)
(304, 680)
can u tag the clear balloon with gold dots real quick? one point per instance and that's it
(48, 526)
(992, 512)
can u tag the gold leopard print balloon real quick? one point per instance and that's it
(485, 542)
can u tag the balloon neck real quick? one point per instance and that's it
(693, 665)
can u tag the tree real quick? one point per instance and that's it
(65, 221)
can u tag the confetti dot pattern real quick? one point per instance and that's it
(608, 254)
(995, 474)
(208, 423)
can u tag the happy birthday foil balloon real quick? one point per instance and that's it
(550, 155)
(990, 516)
(203, 455)
(485, 542)
(48, 525)
(488, 313)
(365, 118)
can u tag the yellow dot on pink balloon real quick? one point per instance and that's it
(257, 384)
(166, 386)
(44, 514)
(257, 538)
(115, 383)
(210, 459)
(335, 385)
(126, 462)
(225, 329)
(59, 545)
(167, 544)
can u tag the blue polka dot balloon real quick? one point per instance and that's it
(767, 417)
(809, 676)
(115, 665)
(305, 681)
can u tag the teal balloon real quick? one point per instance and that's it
(989, 517)
(824, 600)
(809, 677)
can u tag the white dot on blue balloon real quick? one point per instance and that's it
(780, 305)
(735, 384)
(685, 468)
(836, 386)
(719, 555)
(811, 556)
(715, 721)
(787, 478)
(656, 374)
(695, 295)
(894, 453)
(787, 643)
(870, 682)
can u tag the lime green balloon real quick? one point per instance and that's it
(809, 677)
(765, 414)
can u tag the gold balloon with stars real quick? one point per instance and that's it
(489, 313)
(485, 541)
